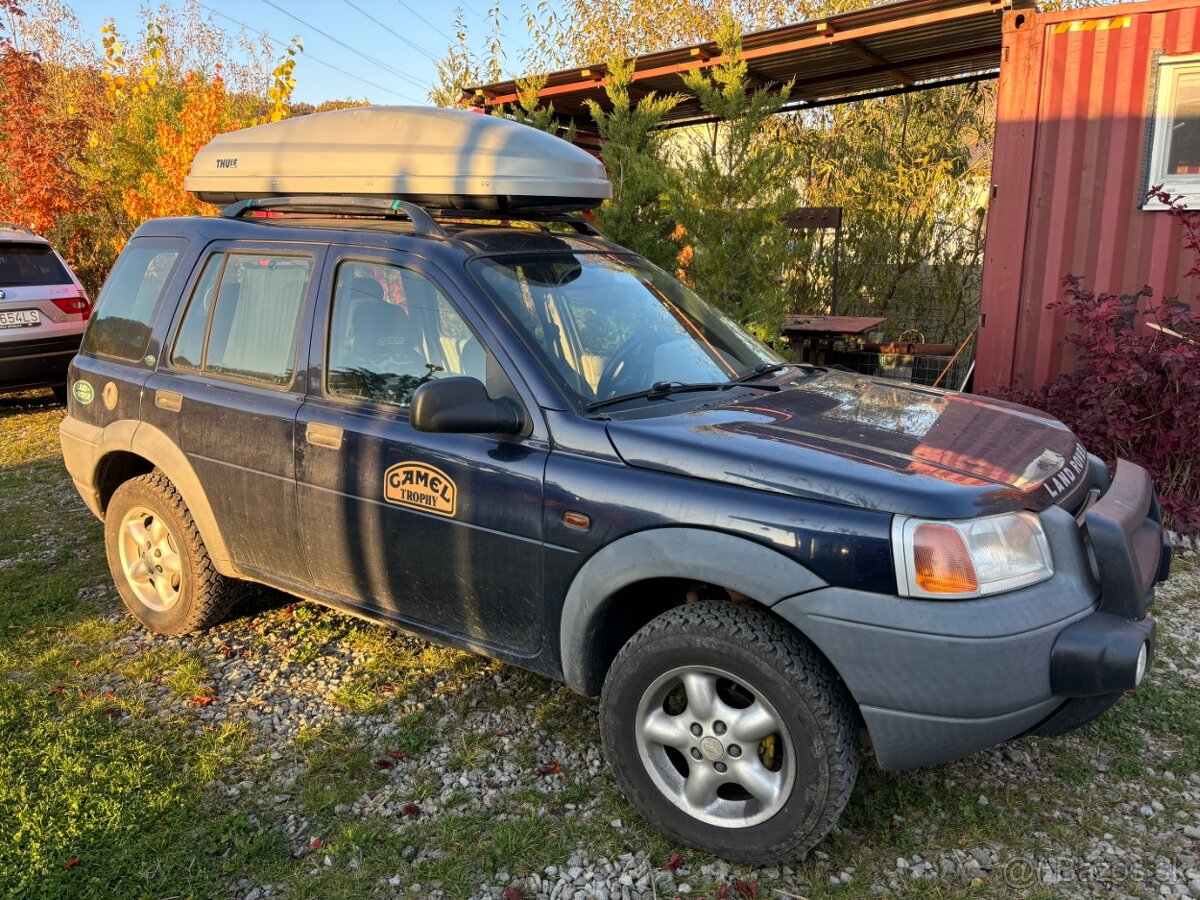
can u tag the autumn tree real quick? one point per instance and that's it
(635, 156)
(733, 188)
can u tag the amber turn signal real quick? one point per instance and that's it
(943, 562)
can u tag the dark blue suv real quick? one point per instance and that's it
(520, 439)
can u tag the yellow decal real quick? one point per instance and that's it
(421, 487)
(1093, 24)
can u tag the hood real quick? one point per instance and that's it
(865, 442)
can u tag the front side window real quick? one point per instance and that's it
(125, 310)
(1175, 146)
(606, 325)
(244, 317)
(391, 330)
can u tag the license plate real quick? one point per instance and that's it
(20, 318)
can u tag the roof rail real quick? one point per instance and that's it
(14, 226)
(423, 223)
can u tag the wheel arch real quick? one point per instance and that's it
(613, 594)
(126, 452)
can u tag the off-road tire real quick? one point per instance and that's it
(205, 596)
(785, 669)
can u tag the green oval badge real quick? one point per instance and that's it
(83, 392)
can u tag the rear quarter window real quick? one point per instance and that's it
(131, 296)
(30, 265)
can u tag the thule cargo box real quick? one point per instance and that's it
(434, 157)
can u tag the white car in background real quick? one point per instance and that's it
(43, 311)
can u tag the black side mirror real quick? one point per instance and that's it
(461, 405)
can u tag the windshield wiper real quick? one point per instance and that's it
(661, 389)
(764, 368)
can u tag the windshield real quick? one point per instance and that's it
(30, 265)
(607, 325)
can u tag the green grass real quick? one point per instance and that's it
(104, 760)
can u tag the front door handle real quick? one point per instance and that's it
(320, 435)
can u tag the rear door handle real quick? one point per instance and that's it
(168, 400)
(320, 435)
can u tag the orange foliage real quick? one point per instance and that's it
(40, 141)
(160, 192)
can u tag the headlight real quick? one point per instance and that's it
(951, 559)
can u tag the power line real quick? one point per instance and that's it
(309, 56)
(427, 22)
(393, 32)
(354, 50)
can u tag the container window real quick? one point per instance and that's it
(1175, 139)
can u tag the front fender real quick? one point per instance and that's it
(732, 562)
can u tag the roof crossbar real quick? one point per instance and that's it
(423, 222)
(581, 225)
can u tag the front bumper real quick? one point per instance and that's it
(937, 680)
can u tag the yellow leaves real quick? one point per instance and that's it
(283, 82)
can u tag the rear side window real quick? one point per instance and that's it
(125, 310)
(30, 265)
(244, 317)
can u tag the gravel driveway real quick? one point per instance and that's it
(371, 763)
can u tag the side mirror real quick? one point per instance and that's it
(461, 405)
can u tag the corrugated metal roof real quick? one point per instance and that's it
(894, 46)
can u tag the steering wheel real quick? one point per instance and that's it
(619, 366)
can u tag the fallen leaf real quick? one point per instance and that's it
(73, 862)
(76, 664)
(203, 700)
(397, 754)
(554, 768)
(723, 892)
(514, 893)
(387, 688)
(316, 844)
(109, 693)
(113, 712)
(746, 890)
(58, 690)
(384, 763)
(32, 632)
(411, 809)
(86, 692)
(674, 862)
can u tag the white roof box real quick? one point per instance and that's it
(435, 157)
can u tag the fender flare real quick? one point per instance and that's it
(733, 562)
(154, 446)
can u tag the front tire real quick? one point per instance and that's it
(730, 733)
(159, 562)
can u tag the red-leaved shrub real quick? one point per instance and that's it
(1135, 390)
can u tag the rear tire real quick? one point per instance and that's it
(730, 732)
(159, 562)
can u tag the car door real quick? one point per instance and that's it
(228, 390)
(439, 530)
